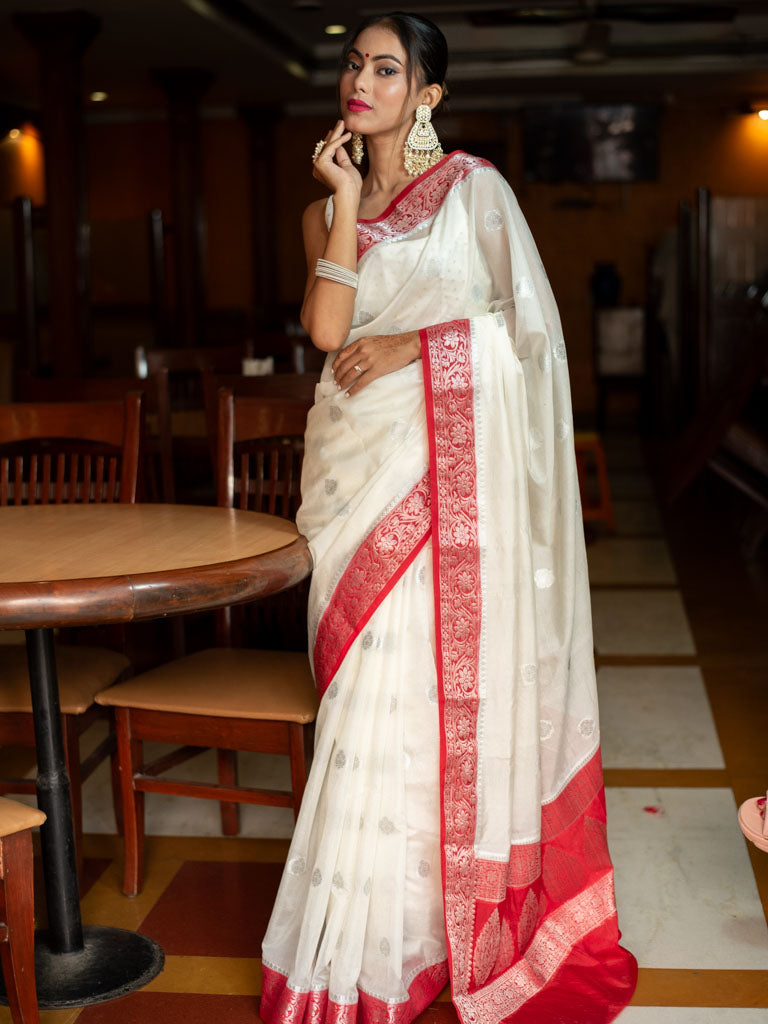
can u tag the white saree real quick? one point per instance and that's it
(453, 825)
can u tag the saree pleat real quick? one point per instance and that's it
(454, 819)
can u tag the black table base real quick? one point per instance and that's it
(111, 963)
(74, 966)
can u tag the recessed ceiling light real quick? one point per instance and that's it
(335, 30)
(14, 133)
(99, 96)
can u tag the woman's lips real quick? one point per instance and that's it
(357, 106)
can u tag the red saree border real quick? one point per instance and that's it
(281, 1004)
(374, 569)
(425, 197)
(513, 929)
(523, 866)
(446, 355)
(409, 188)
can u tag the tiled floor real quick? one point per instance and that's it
(679, 623)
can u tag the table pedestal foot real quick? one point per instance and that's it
(112, 963)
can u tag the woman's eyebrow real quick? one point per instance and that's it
(381, 56)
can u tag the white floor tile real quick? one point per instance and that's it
(640, 622)
(691, 1015)
(656, 717)
(642, 560)
(637, 516)
(685, 890)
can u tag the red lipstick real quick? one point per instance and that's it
(357, 106)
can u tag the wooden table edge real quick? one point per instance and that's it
(126, 598)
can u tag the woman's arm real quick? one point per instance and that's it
(326, 314)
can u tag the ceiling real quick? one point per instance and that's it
(503, 55)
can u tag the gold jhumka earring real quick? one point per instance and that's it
(358, 152)
(422, 147)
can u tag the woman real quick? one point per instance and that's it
(453, 825)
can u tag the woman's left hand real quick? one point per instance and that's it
(367, 359)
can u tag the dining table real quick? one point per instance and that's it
(93, 564)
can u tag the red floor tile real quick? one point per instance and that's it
(167, 1008)
(214, 908)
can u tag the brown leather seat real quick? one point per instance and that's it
(81, 671)
(17, 931)
(274, 686)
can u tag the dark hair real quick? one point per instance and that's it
(422, 40)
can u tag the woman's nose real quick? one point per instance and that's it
(363, 79)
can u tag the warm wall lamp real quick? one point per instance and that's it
(759, 107)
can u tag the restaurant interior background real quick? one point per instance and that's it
(154, 166)
(205, 110)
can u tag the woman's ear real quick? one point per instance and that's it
(431, 95)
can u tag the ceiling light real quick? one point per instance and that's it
(763, 114)
(14, 134)
(294, 68)
(335, 30)
(98, 96)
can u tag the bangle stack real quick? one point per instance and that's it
(335, 272)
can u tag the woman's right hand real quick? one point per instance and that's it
(333, 166)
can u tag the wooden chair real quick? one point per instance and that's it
(588, 446)
(156, 481)
(284, 394)
(53, 453)
(17, 925)
(226, 698)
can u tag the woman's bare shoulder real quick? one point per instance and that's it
(313, 218)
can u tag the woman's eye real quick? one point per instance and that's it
(351, 66)
(387, 71)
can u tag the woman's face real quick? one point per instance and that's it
(374, 86)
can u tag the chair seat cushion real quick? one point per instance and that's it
(82, 672)
(15, 817)
(225, 683)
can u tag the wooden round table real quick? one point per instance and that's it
(69, 565)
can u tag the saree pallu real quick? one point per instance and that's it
(453, 824)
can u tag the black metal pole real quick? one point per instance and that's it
(57, 837)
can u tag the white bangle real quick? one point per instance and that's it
(334, 272)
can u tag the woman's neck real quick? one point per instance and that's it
(386, 174)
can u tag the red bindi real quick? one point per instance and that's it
(367, 55)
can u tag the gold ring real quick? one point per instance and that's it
(319, 147)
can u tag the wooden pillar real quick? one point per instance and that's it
(185, 88)
(61, 38)
(262, 125)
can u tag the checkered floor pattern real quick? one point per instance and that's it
(682, 677)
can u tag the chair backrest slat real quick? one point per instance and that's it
(63, 451)
(46, 480)
(18, 482)
(260, 449)
(156, 443)
(60, 471)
